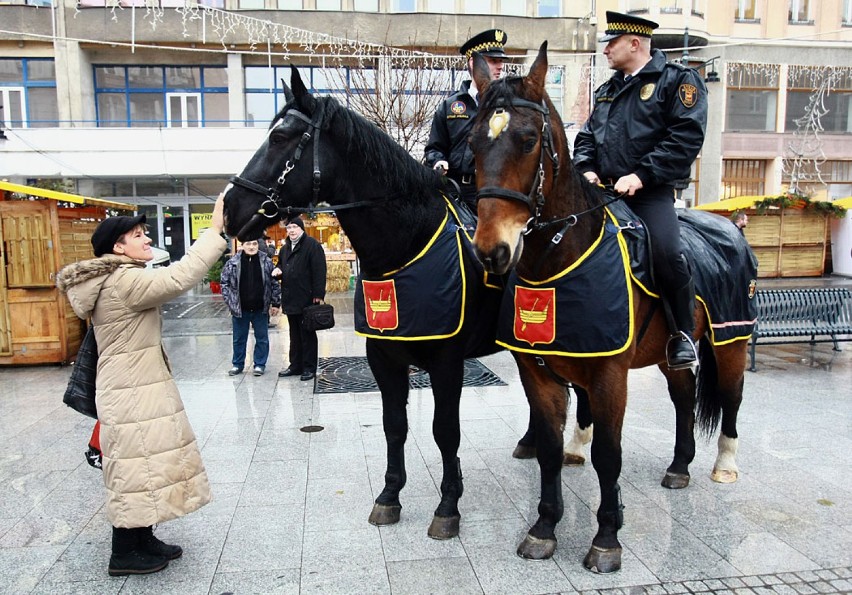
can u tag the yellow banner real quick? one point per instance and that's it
(200, 222)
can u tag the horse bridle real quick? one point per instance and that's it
(273, 195)
(535, 199)
(271, 206)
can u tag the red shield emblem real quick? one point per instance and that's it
(380, 304)
(535, 315)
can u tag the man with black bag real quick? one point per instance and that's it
(302, 271)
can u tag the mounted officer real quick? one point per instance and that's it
(447, 149)
(644, 133)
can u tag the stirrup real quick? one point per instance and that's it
(685, 364)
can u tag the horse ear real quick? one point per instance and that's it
(288, 94)
(537, 77)
(481, 73)
(300, 92)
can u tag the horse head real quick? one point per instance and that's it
(279, 180)
(519, 145)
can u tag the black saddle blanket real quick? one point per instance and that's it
(724, 268)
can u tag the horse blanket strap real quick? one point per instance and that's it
(393, 306)
(565, 315)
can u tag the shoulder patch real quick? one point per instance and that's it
(458, 107)
(688, 94)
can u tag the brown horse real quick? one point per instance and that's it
(540, 217)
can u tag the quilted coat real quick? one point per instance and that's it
(151, 463)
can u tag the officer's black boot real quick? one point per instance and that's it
(680, 349)
(129, 556)
(152, 545)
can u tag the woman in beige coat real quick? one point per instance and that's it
(151, 463)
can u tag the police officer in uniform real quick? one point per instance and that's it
(447, 149)
(645, 131)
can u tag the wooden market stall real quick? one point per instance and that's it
(37, 238)
(789, 241)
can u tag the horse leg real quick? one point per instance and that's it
(731, 377)
(548, 401)
(608, 405)
(392, 379)
(575, 453)
(681, 385)
(526, 445)
(446, 389)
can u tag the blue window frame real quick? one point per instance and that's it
(161, 95)
(28, 93)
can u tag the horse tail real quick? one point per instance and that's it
(708, 401)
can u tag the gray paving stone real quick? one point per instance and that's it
(290, 509)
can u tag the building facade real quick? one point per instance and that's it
(158, 102)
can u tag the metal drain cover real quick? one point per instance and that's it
(352, 374)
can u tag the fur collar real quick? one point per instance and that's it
(78, 272)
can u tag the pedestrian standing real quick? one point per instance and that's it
(741, 221)
(448, 150)
(252, 296)
(151, 463)
(302, 270)
(644, 133)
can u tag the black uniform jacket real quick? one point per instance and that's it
(652, 125)
(451, 126)
(304, 272)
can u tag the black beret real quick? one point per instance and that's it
(618, 24)
(488, 43)
(110, 229)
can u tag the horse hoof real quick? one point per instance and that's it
(524, 452)
(675, 481)
(724, 476)
(444, 527)
(385, 514)
(533, 548)
(573, 460)
(603, 560)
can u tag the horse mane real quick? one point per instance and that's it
(383, 157)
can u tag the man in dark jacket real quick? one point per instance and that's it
(447, 149)
(644, 133)
(301, 268)
(252, 296)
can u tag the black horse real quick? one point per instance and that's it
(391, 207)
(537, 215)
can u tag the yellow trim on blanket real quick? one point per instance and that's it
(425, 249)
(459, 249)
(452, 208)
(625, 264)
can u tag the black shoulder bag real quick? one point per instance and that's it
(80, 394)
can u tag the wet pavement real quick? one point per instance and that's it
(290, 506)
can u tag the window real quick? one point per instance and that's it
(547, 8)
(752, 97)
(438, 6)
(800, 12)
(698, 8)
(746, 10)
(818, 93)
(403, 5)
(670, 6)
(637, 6)
(847, 13)
(328, 4)
(289, 4)
(152, 96)
(835, 177)
(366, 5)
(28, 93)
(477, 6)
(743, 177)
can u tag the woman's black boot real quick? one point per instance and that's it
(152, 545)
(129, 555)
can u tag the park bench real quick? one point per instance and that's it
(822, 314)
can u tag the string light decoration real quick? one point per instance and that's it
(805, 156)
